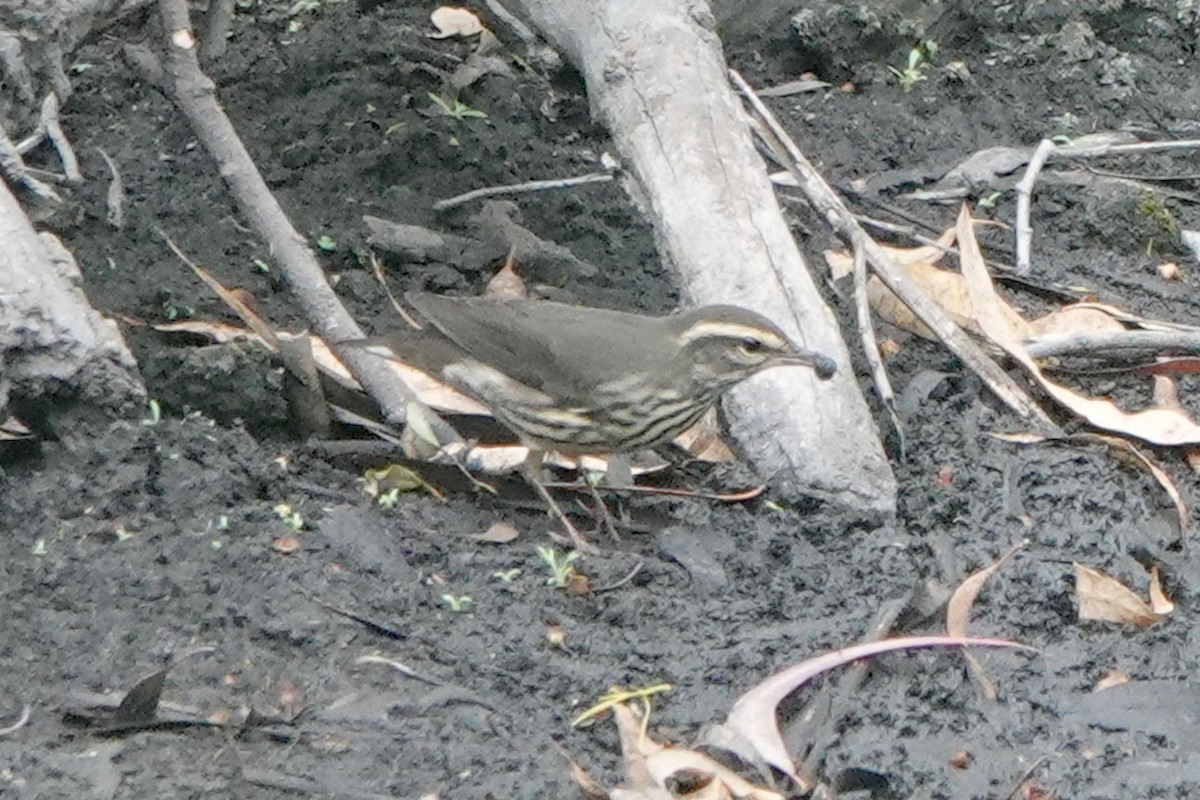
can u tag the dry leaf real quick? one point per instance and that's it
(703, 441)
(1158, 598)
(669, 761)
(1075, 318)
(286, 545)
(454, 21)
(1168, 271)
(948, 290)
(1114, 678)
(586, 783)
(958, 614)
(752, 718)
(507, 283)
(1108, 600)
(649, 765)
(498, 533)
(1159, 426)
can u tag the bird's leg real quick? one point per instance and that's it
(617, 475)
(601, 507)
(533, 473)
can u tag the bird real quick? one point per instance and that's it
(581, 380)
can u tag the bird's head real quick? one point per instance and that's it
(727, 344)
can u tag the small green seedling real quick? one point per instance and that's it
(389, 499)
(327, 244)
(989, 200)
(155, 415)
(290, 517)
(458, 602)
(919, 59)
(561, 570)
(458, 109)
(507, 575)
(173, 311)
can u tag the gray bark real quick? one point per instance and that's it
(51, 341)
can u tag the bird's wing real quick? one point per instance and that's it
(523, 338)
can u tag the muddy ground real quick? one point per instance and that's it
(138, 542)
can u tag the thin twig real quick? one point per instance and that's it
(1024, 191)
(66, 153)
(521, 188)
(831, 207)
(1093, 344)
(194, 93)
(12, 167)
(1066, 153)
(115, 199)
(1028, 774)
(618, 584)
(870, 345)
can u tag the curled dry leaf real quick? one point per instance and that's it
(1168, 427)
(1133, 453)
(454, 21)
(1158, 598)
(1106, 599)
(752, 718)
(947, 288)
(650, 765)
(958, 614)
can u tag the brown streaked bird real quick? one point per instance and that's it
(587, 380)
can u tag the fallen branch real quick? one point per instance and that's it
(655, 77)
(195, 95)
(831, 207)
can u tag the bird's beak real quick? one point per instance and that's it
(821, 364)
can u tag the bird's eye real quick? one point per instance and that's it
(750, 345)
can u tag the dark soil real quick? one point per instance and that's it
(138, 542)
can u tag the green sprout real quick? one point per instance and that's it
(989, 200)
(290, 517)
(561, 570)
(123, 534)
(327, 244)
(919, 59)
(155, 415)
(388, 499)
(458, 602)
(1152, 207)
(458, 109)
(507, 575)
(173, 311)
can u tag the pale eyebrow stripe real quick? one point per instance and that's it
(729, 330)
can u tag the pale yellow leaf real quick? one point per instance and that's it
(1106, 599)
